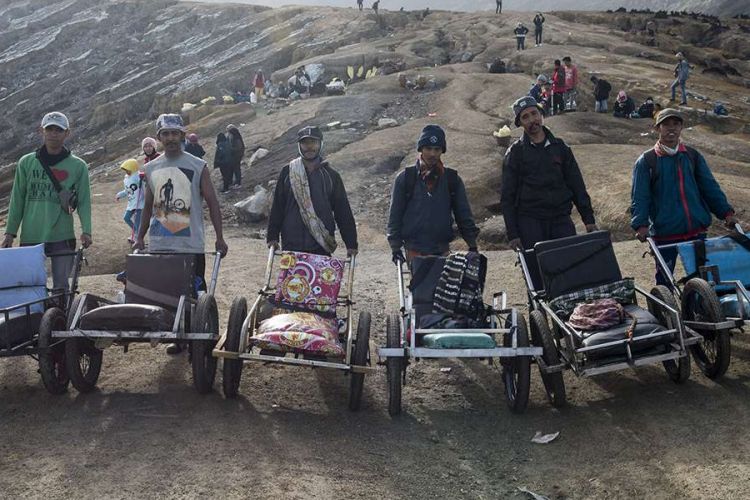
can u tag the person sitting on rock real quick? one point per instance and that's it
(645, 110)
(541, 182)
(674, 192)
(536, 90)
(624, 105)
(172, 227)
(309, 202)
(426, 198)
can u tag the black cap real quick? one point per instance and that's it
(309, 132)
(524, 103)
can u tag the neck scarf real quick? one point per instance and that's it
(301, 191)
(430, 175)
(662, 150)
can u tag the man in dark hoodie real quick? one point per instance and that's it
(425, 199)
(538, 27)
(602, 88)
(541, 182)
(310, 201)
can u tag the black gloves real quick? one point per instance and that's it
(398, 256)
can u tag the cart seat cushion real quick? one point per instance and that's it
(128, 317)
(22, 266)
(577, 262)
(425, 274)
(730, 306)
(19, 328)
(455, 340)
(728, 255)
(646, 323)
(301, 333)
(309, 282)
(10, 297)
(159, 279)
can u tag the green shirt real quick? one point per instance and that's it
(35, 203)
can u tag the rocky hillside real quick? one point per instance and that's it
(113, 67)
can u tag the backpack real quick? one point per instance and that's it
(650, 157)
(411, 182)
(223, 153)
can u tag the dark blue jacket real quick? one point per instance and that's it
(425, 223)
(536, 92)
(681, 200)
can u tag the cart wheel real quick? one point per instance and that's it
(678, 371)
(517, 370)
(700, 303)
(205, 320)
(233, 367)
(554, 384)
(52, 359)
(83, 361)
(359, 358)
(394, 366)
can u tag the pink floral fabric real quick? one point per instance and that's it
(299, 332)
(309, 282)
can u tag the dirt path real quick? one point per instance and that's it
(147, 433)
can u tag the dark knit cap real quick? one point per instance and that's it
(432, 135)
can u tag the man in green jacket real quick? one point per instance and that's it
(43, 215)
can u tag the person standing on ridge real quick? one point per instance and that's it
(538, 26)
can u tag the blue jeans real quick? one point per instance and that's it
(670, 258)
(128, 218)
(601, 106)
(681, 83)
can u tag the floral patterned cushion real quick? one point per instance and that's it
(309, 282)
(299, 332)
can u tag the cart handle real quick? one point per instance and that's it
(215, 273)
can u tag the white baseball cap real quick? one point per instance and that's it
(57, 119)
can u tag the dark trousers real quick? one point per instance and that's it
(200, 270)
(498, 7)
(538, 36)
(237, 173)
(558, 104)
(226, 176)
(520, 41)
(670, 258)
(532, 231)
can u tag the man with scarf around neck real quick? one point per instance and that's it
(674, 202)
(422, 212)
(309, 202)
(35, 205)
(541, 182)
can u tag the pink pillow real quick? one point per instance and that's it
(309, 282)
(299, 332)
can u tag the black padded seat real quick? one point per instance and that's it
(576, 263)
(128, 317)
(646, 323)
(159, 279)
(19, 328)
(425, 274)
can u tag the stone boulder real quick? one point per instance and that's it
(256, 207)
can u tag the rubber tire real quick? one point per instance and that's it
(359, 358)
(52, 361)
(678, 371)
(517, 371)
(554, 384)
(75, 348)
(205, 320)
(394, 366)
(699, 288)
(232, 368)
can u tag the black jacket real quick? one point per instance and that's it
(195, 149)
(602, 88)
(424, 221)
(542, 182)
(538, 22)
(331, 205)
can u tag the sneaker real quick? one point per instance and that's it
(224, 191)
(174, 349)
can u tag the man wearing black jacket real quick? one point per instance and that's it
(602, 88)
(541, 182)
(425, 199)
(306, 217)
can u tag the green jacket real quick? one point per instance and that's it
(35, 202)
